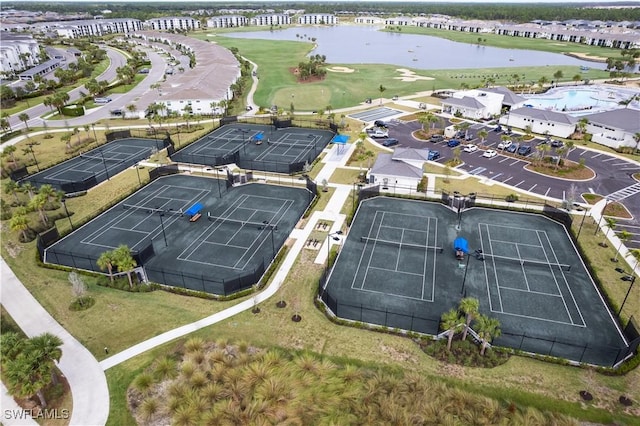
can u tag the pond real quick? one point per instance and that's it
(355, 44)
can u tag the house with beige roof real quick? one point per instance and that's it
(401, 169)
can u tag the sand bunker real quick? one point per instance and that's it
(340, 69)
(410, 76)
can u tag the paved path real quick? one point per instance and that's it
(86, 379)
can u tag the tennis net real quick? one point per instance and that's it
(100, 159)
(305, 146)
(526, 262)
(400, 244)
(150, 210)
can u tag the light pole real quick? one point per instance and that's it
(272, 228)
(104, 163)
(606, 203)
(464, 277)
(93, 127)
(218, 180)
(581, 223)
(138, 173)
(164, 235)
(334, 237)
(633, 280)
(64, 203)
(244, 139)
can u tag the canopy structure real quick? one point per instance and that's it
(460, 244)
(341, 140)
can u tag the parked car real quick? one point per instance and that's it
(512, 148)
(505, 144)
(436, 138)
(433, 155)
(468, 137)
(524, 150)
(380, 123)
(508, 131)
(556, 143)
(144, 71)
(470, 148)
(104, 100)
(380, 133)
(498, 129)
(390, 142)
(490, 153)
(453, 142)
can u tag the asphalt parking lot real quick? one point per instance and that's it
(613, 175)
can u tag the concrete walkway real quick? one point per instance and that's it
(86, 379)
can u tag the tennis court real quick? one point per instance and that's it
(89, 169)
(257, 147)
(191, 232)
(398, 268)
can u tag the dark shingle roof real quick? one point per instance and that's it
(545, 115)
(627, 119)
(385, 165)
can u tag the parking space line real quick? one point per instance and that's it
(546, 193)
(496, 176)
(519, 183)
(597, 155)
(515, 162)
(507, 179)
(531, 189)
(609, 159)
(504, 159)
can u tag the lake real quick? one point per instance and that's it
(351, 44)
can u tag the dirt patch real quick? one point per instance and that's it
(410, 76)
(587, 57)
(310, 79)
(340, 69)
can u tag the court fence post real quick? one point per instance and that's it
(584, 350)
(552, 345)
(521, 341)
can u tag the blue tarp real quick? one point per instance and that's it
(460, 244)
(194, 210)
(259, 136)
(340, 139)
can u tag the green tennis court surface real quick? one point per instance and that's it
(398, 268)
(89, 169)
(226, 248)
(257, 147)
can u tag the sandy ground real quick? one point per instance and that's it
(410, 76)
(587, 57)
(340, 69)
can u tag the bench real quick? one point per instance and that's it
(195, 217)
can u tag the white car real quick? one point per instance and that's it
(490, 153)
(504, 144)
(380, 133)
(470, 148)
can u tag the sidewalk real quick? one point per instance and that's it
(86, 379)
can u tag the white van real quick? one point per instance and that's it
(102, 100)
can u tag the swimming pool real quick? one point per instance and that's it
(582, 100)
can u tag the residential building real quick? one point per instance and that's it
(203, 89)
(317, 19)
(40, 69)
(369, 20)
(476, 104)
(271, 19)
(179, 23)
(227, 21)
(90, 27)
(18, 52)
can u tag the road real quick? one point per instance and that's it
(116, 59)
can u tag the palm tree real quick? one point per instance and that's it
(10, 151)
(20, 223)
(483, 135)
(623, 236)
(125, 262)
(449, 321)
(381, 89)
(24, 117)
(107, 260)
(636, 138)
(11, 187)
(47, 346)
(487, 328)
(582, 125)
(469, 306)
(132, 109)
(38, 202)
(611, 225)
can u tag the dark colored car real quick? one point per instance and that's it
(433, 155)
(380, 123)
(556, 144)
(390, 142)
(498, 129)
(512, 148)
(436, 138)
(524, 150)
(453, 142)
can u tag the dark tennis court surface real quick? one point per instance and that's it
(256, 147)
(398, 268)
(192, 232)
(95, 166)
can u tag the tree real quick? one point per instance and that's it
(582, 125)
(381, 89)
(20, 223)
(482, 134)
(78, 287)
(24, 117)
(469, 306)
(488, 329)
(4, 124)
(10, 151)
(623, 236)
(449, 321)
(47, 348)
(11, 187)
(107, 260)
(132, 109)
(576, 78)
(66, 138)
(636, 138)
(38, 202)
(125, 262)
(558, 75)
(611, 225)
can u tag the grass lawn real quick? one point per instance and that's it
(279, 86)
